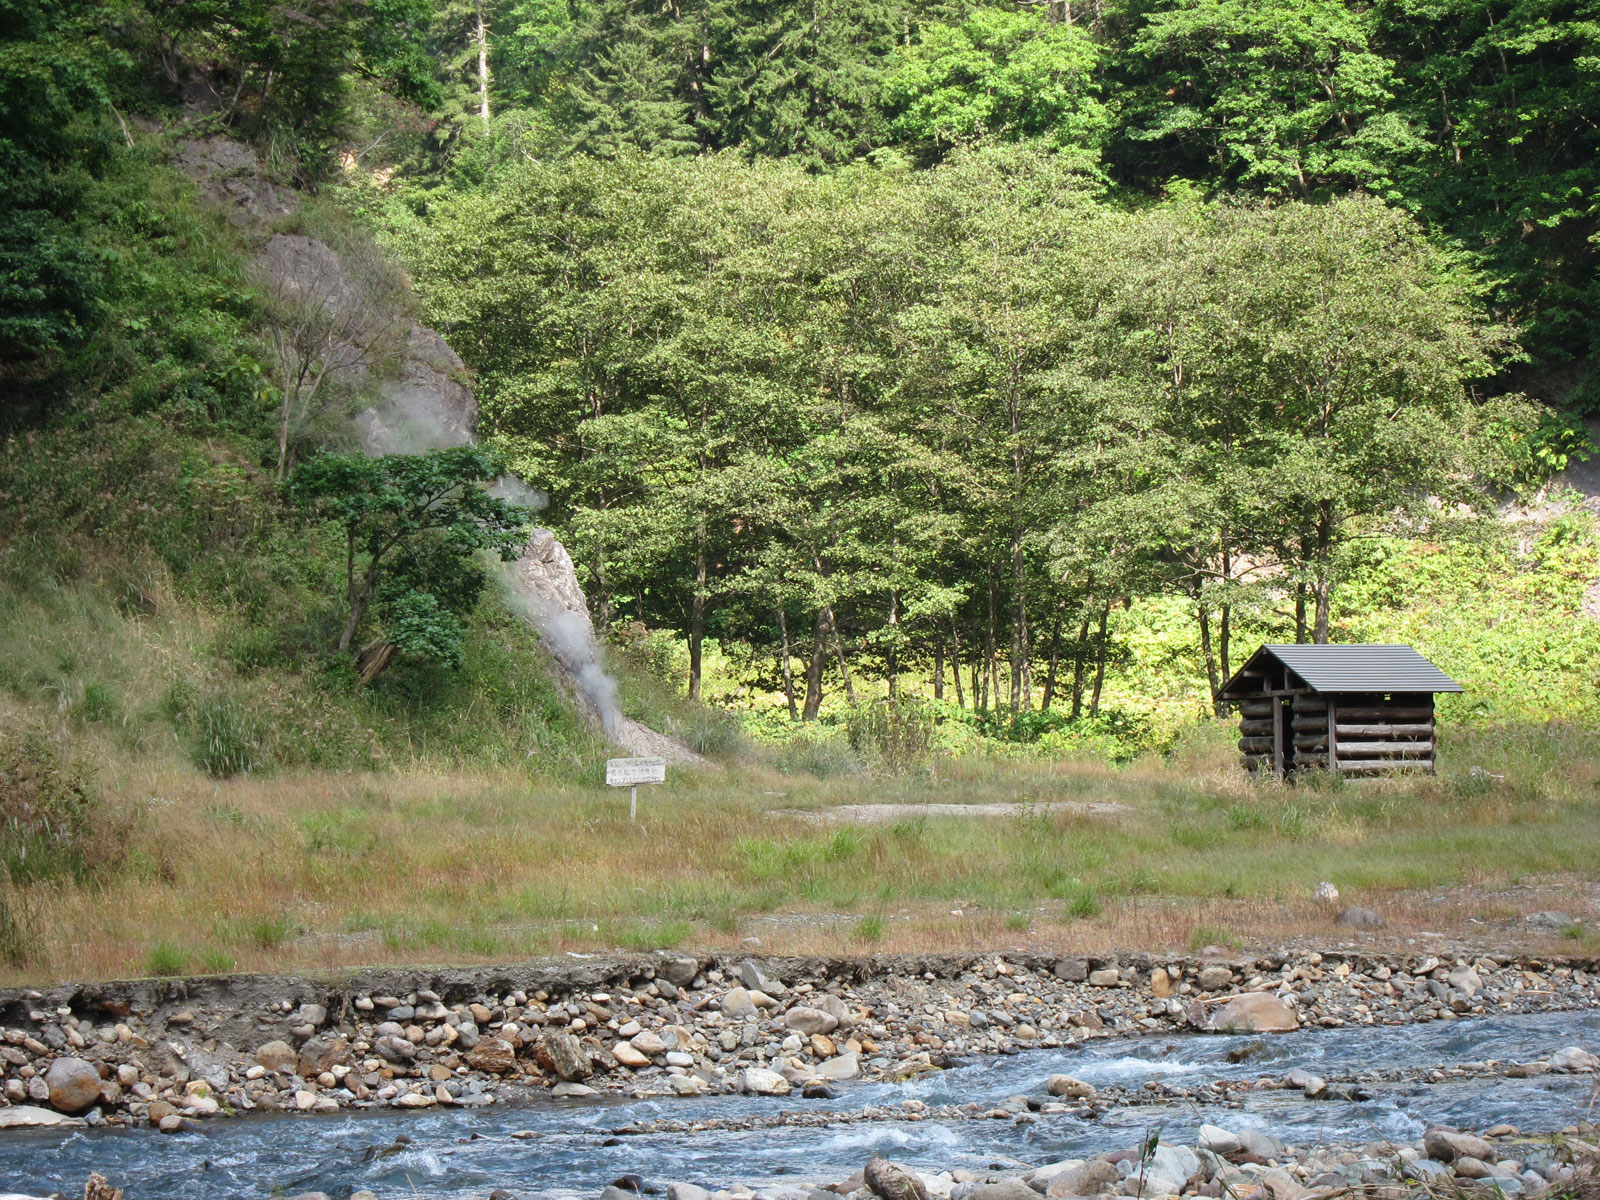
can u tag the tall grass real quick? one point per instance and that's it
(320, 868)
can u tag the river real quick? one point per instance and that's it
(570, 1145)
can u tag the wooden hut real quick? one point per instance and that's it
(1359, 710)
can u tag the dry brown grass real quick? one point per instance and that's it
(326, 869)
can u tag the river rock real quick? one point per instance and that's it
(890, 1181)
(277, 1055)
(1214, 979)
(762, 1082)
(1467, 1167)
(494, 1055)
(1005, 1189)
(1252, 1012)
(1446, 1145)
(1326, 893)
(1167, 1170)
(628, 1056)
(810, 1020)
(649, 1044)
(844, 1066)
(1073, 970)
(1466, 981)
(1574, 1058)
(1087, 1179)
(687, 1191)
(1356, 917)
(562, 1053)
(677, 969)
(1069, 1088)
(1105, 977)
(757, 980)
(738, 1004)
(74, 1085)
(28, 1116)
(1218, 1140)
(838, 1010)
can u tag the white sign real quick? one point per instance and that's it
(630, 772)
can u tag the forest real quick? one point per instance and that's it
(879, 341)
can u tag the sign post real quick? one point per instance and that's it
(630, 773)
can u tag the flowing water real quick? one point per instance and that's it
(571, 1145)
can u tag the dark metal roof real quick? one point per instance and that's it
(1387, 668)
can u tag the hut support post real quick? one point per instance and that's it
(1277, 736)
(1333, 734)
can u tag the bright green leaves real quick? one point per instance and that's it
(411, 525)
(1291, 98)
(1001, 74)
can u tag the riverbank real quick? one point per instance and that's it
(177, 1053)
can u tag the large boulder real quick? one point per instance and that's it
(890, 1181)
(74, 1085)
(494, 1055)
(1087, 1179)
(1069, 1088)
(1005, 1189)
(761, 1082)
(1167, 1170)
(806, 1020)
(1446, 1144)
(563, 1054)
(1251, 1012)
(277, 1055)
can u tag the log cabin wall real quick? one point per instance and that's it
(1369, 733)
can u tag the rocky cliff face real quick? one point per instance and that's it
(423, 403)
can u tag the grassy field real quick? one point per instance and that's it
(325, 869)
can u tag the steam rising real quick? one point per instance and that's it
(427, 410)
(568, 633)
(518, 491)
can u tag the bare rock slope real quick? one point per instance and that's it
(423, 402)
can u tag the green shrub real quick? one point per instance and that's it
(166, 959)
(899, 732)
(53, 822)
(818, 755)
(869, 929)
(1083, 903)
(226, 738)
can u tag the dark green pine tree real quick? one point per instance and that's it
(638, 79)
(804, 79)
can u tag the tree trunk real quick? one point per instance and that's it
(1019, 623)
(787, 672)
(1300, 611)
(1100, 663)
(892, 657)
(938, 670)
(991, 665)
(1324, 584)
(697, 610)
(374, 657)
(482, 34)
(1055, 658)
(844, 666)
(1079, 662)
(819, 659)
(1206, 651)
(955, 662)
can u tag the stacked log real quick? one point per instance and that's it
(1255, 734)
(1372, 735)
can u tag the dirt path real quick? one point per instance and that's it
(882, 814)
